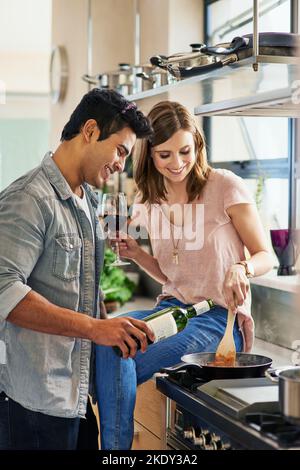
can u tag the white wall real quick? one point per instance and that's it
(25, 45)
(165, 26)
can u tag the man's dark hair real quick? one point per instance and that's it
(111, 111)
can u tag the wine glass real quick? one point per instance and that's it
(114, 212)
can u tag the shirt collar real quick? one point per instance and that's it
(59, 182)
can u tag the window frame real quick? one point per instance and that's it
(273, 168)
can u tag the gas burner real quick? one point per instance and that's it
(275, 427)
(186, 379)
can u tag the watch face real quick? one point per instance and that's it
(58, 74)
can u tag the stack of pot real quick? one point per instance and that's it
(130, 79)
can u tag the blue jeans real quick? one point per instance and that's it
(22, 429)
(117, 378)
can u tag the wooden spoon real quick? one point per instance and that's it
(226, 352)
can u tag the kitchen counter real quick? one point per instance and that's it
(281, 356)
(285, 283)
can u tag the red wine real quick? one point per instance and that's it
(115, 223)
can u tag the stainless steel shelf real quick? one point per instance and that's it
(265, 92)
(276, 103)
(214, 75)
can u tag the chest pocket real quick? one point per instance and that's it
(67, 257)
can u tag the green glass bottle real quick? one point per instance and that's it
(171, 320)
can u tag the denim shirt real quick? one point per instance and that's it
(47, 244)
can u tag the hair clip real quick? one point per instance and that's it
(128, 106)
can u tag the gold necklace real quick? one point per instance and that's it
(175, 252)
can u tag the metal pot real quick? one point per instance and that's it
(152, 77)
(184, 60)
(289, 392)
(121, 80)
(201, 365)
(241, 47)
(195, 58)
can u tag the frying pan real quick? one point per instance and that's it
(199, 365)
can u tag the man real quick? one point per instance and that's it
(51, 255)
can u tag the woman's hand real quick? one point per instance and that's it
(128, 247)
(236, 286)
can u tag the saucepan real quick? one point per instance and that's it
(201, 365)
(121, 80)
(152, 77)
(177, 64)
(289, 391)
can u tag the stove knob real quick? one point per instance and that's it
(200, 441)
(207, 436)
(189, 434)
(216, 440)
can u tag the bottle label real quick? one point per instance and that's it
(201, 307)
(163, 326)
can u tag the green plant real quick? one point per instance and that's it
(259, 190)
(116, 286)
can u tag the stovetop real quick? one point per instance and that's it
(275, 427)
(247, 410)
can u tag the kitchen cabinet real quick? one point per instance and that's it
(148, 418)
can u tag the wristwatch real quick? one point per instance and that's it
(249, 268)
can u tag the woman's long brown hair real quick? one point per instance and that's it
(166, 118)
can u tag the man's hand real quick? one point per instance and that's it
(121, 332)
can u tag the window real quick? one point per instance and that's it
(258, 149)
(25, 45)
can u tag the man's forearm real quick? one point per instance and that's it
(34, 312)
(37, 313)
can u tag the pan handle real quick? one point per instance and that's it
(181, 366)
(186, 72)
(236, 44)
(271, 374)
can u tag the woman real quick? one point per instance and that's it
(210, 217)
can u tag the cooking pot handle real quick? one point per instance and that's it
(91, 80)
(159, 61)
(271, 374)
(144, 76)
(236, 44)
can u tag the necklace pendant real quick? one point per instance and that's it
(175, 257)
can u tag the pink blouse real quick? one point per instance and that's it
(207, 244)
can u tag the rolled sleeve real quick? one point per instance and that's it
(22, 229)
(11, 297)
